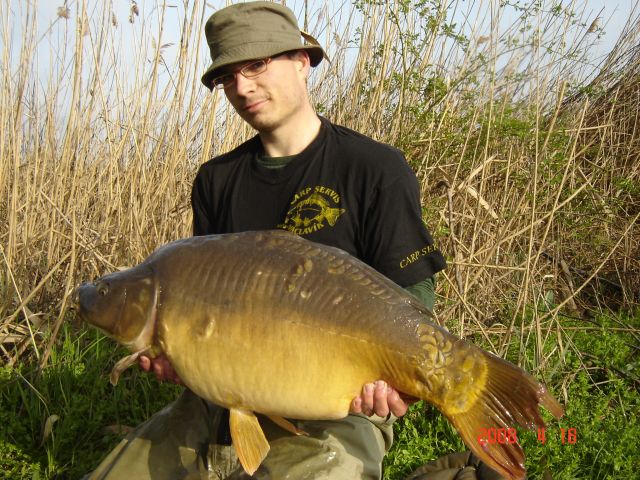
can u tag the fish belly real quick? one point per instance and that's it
(287, 369)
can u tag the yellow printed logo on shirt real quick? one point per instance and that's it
(311, 209)
(409, 259)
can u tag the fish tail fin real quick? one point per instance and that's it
(509, 397)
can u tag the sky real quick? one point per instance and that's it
(54, 30)
(613, 13)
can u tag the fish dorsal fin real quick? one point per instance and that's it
(286, 424)
(248, 439)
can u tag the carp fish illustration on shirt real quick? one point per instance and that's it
(312, 209)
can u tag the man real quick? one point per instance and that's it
(322, 181)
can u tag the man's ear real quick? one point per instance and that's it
(302, 57)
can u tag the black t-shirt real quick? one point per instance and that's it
(344, 190)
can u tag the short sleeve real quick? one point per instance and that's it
(397, 242)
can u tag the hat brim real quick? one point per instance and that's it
(245, 53)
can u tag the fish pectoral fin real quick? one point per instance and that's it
(122, 364)
(248, 439)
(287, 425)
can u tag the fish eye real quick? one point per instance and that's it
(103, 288)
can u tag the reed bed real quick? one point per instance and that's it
(528, 167)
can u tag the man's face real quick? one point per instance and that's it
(273, 98)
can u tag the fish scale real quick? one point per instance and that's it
(271, 323)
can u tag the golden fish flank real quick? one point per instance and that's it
(272, 310)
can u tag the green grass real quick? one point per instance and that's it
(75, 387)
(602, 390)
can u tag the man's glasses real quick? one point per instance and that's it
(250, 70)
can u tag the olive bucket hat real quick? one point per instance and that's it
(253, 30)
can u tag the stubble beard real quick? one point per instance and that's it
(272, 118)
(279, 110)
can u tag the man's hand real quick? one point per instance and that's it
(381, 399)
(161, 367)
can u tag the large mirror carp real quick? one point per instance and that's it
(272, 323)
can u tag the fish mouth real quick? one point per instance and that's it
(75, 300)
(79, 318)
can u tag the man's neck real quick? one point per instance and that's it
(292, 137)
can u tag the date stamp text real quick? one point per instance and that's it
(502, 436)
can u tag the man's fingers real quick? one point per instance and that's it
(161, 367)
(397, 405)
(356, 405)
(168, 373)
(381, 406)
(367, 398)
(144, 362)
(381, 399)
(158, 370)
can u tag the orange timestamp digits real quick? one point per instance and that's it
(497, 435)
(567, 435)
